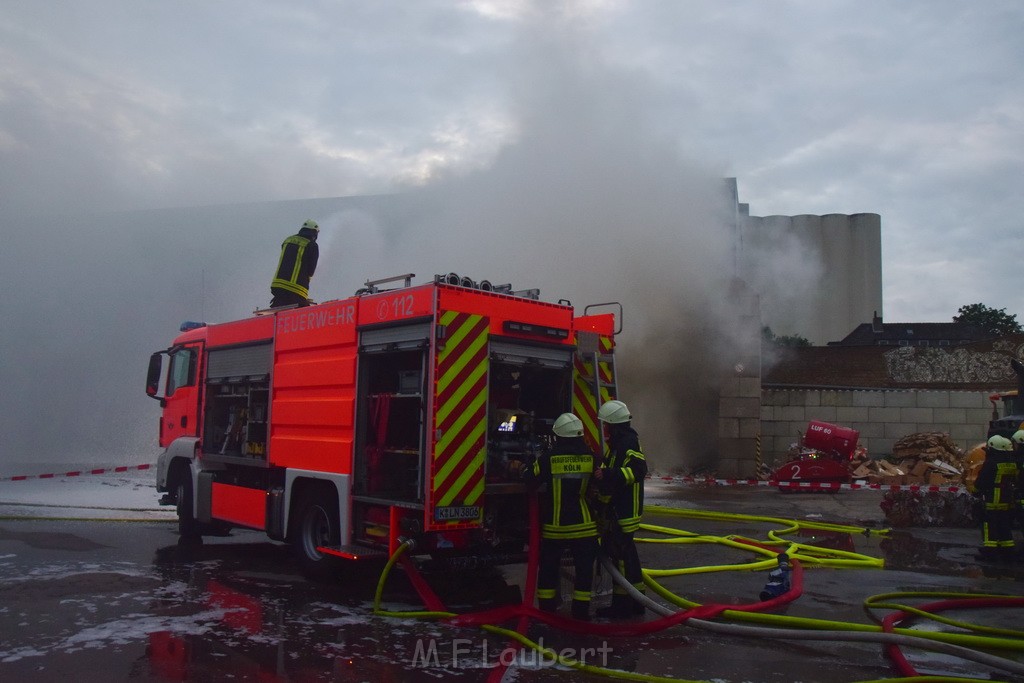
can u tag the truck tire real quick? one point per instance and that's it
(315, 523)
(188, 527)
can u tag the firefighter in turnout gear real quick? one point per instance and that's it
(566, 522)
(997, 482)
(1018, 452)
(295, 267)
(621, 487)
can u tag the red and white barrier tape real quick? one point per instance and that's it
(814, 485)
(77, 473)
(807, 485)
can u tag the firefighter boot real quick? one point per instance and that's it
(621, 607)
(638, 607)
(581, 610)
(548, 604)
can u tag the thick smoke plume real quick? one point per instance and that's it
(588, 201)
(591, 203)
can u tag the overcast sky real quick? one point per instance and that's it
(532, 118)
(912, 109)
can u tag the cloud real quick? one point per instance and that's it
(529, 142)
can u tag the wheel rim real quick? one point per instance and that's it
(316, 531)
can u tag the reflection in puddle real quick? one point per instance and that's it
(263, 621)
(832, 540)
(906, 552)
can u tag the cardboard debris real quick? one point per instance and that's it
(929, 458)
(928, 454)
(933, 459)
(890, 469)
(930, 509)
(944, 468)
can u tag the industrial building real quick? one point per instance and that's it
(816, 276)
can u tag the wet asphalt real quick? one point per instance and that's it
(92, 600)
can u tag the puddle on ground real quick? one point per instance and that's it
(46, 540)
(908, 551)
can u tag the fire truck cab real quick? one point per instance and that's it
(343, 426)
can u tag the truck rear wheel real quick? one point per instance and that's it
(315, 524)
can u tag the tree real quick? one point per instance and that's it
(996, 321)
(788, 340)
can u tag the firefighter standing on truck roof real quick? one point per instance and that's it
(996, 483)
(621, 487)
(299, 255)
(566, 521)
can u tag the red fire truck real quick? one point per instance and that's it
(340, 427)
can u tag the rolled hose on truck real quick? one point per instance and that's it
(773, 626)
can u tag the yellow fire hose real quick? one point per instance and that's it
(962, 645)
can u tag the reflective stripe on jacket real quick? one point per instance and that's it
(296, 265)
(622, 485)
(567, 471)
(997, 479)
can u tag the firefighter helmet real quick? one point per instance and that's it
(312, 225)
(1018, 436)
(1000, 443)
(614, 412)
(567, 425)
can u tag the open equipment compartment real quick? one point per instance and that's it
(530, 386)
(237, 401)
(391, 419)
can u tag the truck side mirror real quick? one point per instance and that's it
(156, 366)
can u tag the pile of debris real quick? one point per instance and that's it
(932, 455)
(929, 458)
(930, 508)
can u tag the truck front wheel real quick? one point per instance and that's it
(188, 527)
(315, 524)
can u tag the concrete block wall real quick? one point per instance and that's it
(881, 417)
(739, 397)
(739, 424)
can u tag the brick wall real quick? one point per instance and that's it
(881, 417)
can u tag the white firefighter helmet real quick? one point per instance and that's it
(567, 425)
(614, 412)
(1000, 443)
(1018, 436)
(312, 225)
